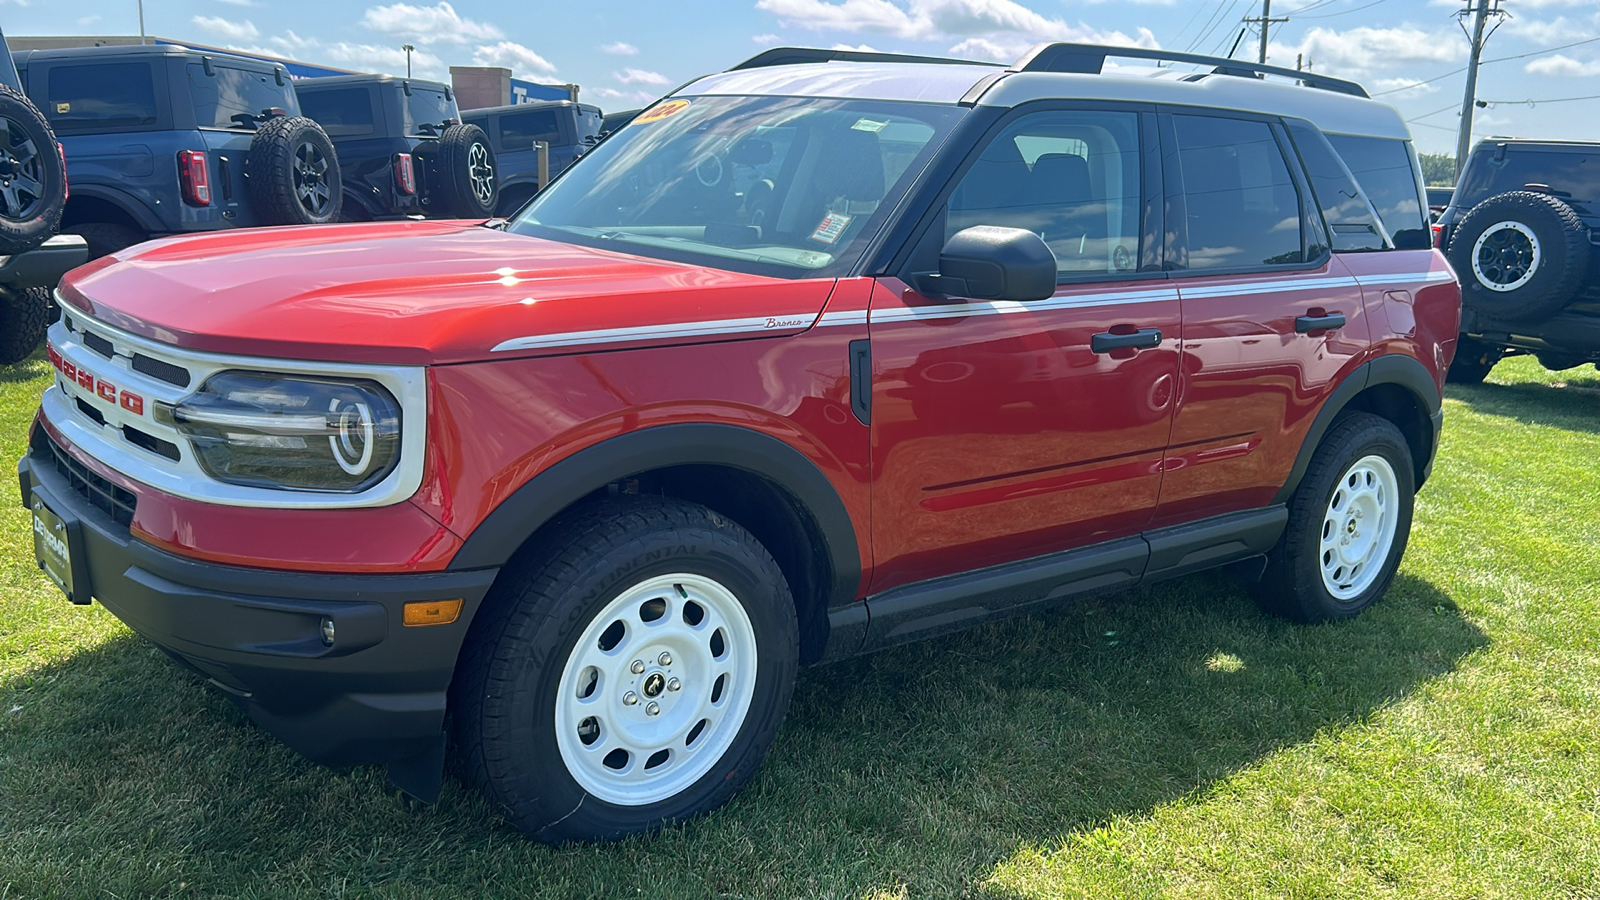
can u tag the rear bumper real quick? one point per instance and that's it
(44, 265)
(375, 695)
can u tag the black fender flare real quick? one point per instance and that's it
(538, 501)
(136, 210)
(1405, 371)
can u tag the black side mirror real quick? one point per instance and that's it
(987, 262)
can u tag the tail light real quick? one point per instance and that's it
(195, 177)
(405, 174)
(1438, 235)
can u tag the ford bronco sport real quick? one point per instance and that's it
(824, 353)
(167, 140)
(403, 148)
(1523, 234)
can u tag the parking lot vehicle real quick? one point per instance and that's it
(614, 120)
(1438, 200)
(166, 140)
(1523, 234)
(828, 352)
(33, 192)
(565, 127)
(403, 147)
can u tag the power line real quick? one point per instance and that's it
(1536, 102)
(1487, 62)
(1343, 11)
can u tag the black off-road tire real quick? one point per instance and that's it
(467, 175)
(1293, 585)
(24, 319)
(33, 182)
(504, 699)
(293, 173)
(106, 238)
(1548, 269)
(1473, 360)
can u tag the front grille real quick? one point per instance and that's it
(155, 368)
(102, 494)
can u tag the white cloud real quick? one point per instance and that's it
(640, 76)
(1547, 32)
(89, 20)
(238, 2)
(386, 59)
(229, 31)
(1359, 51)
(1561, 66)
(428, 23)
(621, 48)
(767, 40)
(521, 60)
(859, 48)
(1404, 87)
(1002, 23)
(631, 96)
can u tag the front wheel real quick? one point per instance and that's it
(1349, 521)
(632, 675)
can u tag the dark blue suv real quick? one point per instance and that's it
(568, 129)
(167, 140)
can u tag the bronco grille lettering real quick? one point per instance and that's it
(95, 385)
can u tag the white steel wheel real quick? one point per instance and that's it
(1358, 527)
(656, 689)
(1506, 256)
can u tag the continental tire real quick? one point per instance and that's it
(24, 318)
(293, 173)
(631, 674)
(33, 181)
(1349, 521)
(467, 177)
(1520, 255)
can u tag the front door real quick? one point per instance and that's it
(1004, 430)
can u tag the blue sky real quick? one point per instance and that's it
(626, 52)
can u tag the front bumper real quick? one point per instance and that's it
(375, 695)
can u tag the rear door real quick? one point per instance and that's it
(1271, 318)
(1000, 430)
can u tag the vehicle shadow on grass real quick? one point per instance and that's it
(24, 370)
(917, 768)
(1573, 403)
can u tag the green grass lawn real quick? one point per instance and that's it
(1169, 742)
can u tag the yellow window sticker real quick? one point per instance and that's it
(661, 111)
(63, 108)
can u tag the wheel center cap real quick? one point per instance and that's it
(654, 684)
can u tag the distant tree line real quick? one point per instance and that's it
(1438, 168)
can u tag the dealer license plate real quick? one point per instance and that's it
(51, 546)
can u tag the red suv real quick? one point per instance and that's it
(825, 353)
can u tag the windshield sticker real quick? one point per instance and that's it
(868, 125)
(661, 111)
(831, 226)
(63, 108)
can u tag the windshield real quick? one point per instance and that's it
(786, 186)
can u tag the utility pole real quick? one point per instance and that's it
(1480, 16)
(1265, 22)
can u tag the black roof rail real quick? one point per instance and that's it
(788, 56)
(1091, 58)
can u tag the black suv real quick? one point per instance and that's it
(403, 148)
(33, 192)
(1523, 232)
(567, 128)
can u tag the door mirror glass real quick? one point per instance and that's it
(989, 262)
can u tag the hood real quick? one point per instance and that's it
(421, 293)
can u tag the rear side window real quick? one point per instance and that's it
(100, 97)
(1386, 170)
(1564, 172)
(1243, 207)
(518, 131)
(1350, 219)
(342, 113)
(236, 98)
(1070, 177)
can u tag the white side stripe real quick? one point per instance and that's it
(648, 332)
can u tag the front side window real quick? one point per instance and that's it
(785, 186)
(518, 131)
(426, 112)
(103, 96)
(1242, 205)
(1387, 172)
(236, 98)
(346, 112)
(1071, 177)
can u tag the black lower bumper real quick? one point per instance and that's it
(376, 694)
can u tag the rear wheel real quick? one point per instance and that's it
(1349, 521)
(632, 675)
(24, 319)
(106, 238)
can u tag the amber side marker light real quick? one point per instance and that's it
(432, 612)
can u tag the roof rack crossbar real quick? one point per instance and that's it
(1091, 58)
(788, 56)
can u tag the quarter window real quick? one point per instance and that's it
(1344, 207)
(1071, 177)
(1243, 207)
(1385, 170)
(106, 96)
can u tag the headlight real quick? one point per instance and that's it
(291, 432)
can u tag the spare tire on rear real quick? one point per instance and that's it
(293, 173)
(469, 184)
(1520, 255)
(33, 181)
